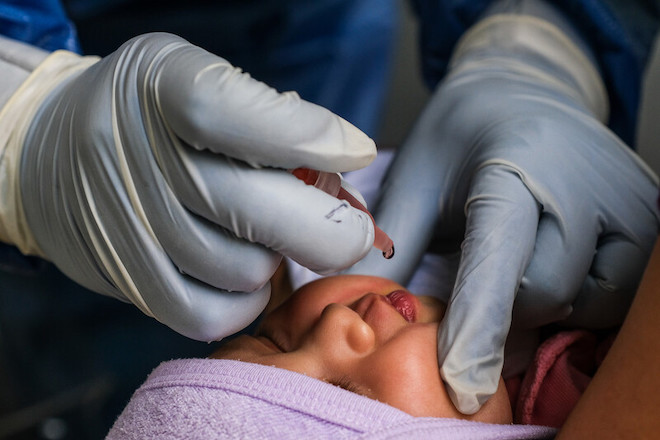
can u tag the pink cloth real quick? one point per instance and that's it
(562, 368)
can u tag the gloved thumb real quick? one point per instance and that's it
(502, 219)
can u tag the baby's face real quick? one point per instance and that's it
(366, 334)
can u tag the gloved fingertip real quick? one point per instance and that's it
(467, 404)
(354, 249)
(213, 314)
(468, 389)
(358, 149)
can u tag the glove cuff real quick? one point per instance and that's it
(537, 49)
(15, 119)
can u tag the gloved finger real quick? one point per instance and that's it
(185, 304)
(207, 252)
(270, 207)
(212, 105)
(156, 193)
(502, 218)
(126, 257)
(609, 289)
(143, 272)
(560, 264)
(575, 244)
(577, 278)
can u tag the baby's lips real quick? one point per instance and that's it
(404, 303)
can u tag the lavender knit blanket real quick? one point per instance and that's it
(224, 399)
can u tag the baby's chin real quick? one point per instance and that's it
(496, 410)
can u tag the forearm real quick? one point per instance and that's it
(622, 401)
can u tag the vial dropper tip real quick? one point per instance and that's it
(389, 253)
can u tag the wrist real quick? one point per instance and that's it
(545, 11)
(16, 116)
(536, 50)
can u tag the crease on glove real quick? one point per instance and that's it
(15, 119)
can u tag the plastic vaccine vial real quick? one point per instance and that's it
(331, 183)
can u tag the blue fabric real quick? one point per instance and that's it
(42, 23)
(619, 32)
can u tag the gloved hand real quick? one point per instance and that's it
(158, 175)
(511, 159)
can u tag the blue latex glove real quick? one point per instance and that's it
(157, 175)
(511, 157)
